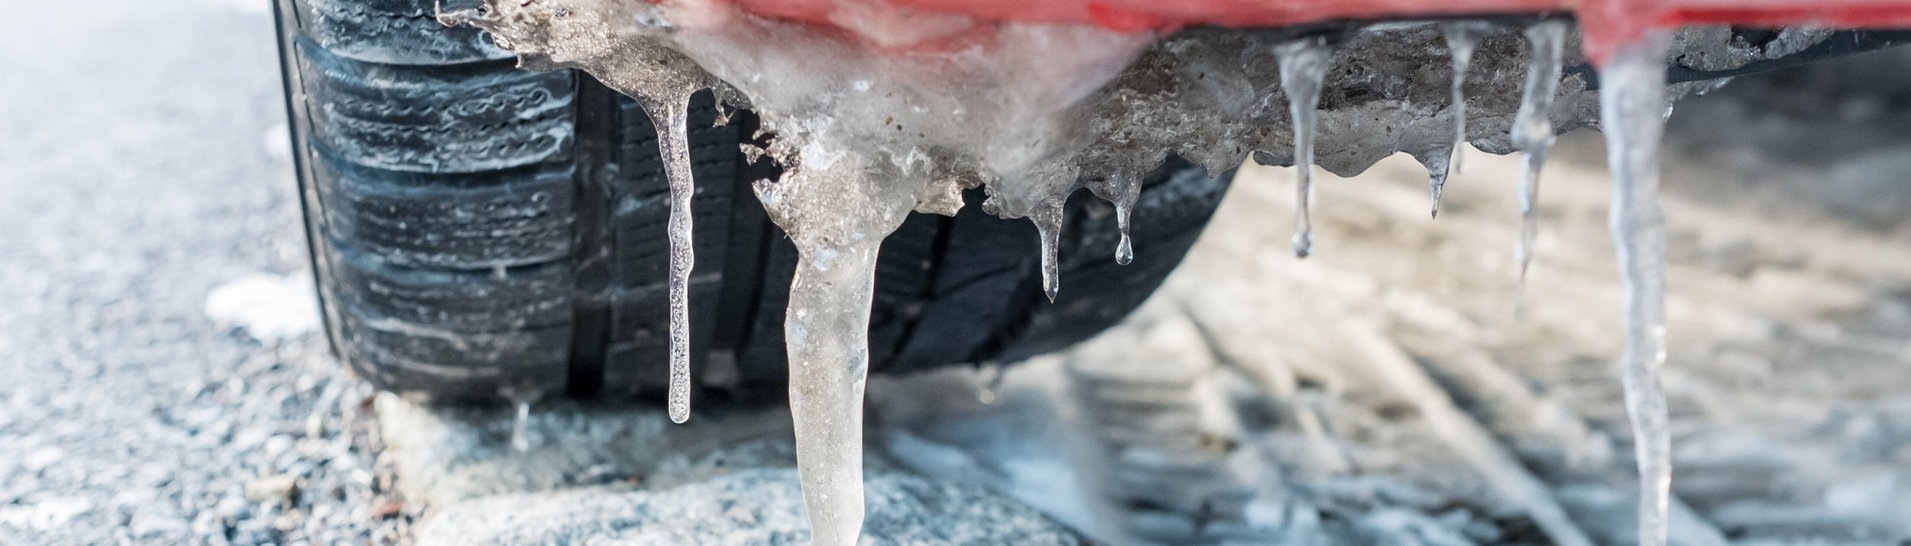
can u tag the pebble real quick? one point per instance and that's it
(281, 489)
(41, 458)
(146, 524)
(233, 507)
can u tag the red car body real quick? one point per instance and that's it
(1606, 22)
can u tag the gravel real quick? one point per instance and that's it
(143, 164)
(753, 506)
(447, 455)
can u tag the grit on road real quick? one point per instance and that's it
(143, 164)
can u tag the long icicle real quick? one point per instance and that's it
(1533, 128)
(837, 215)
(1632, 111)
(1303, 67)
(662, 81)
(1461, 42)
(670, 114)
(826, 334)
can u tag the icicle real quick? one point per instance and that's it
(521, 395)
(1461, 41)
(1533, 128)
(1436, 163)
(1303, 66)
(837, 206)
(634, 62)
(1123, 190)
(992, 388)
(520, 437)
(1632, 112)
(826, 333)
(837, 217)
(1048, 223)
(669, 112)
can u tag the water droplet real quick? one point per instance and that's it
(1123, 190)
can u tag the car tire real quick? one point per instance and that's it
(480, 231)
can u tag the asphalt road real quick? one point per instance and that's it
(162, 378)
(143, 164)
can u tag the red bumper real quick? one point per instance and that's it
(1606, 22)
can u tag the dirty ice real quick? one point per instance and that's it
(911, 108)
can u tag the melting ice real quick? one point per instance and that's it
(910, 111)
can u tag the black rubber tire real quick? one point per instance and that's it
(476, 228)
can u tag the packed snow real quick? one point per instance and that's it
(269, 308)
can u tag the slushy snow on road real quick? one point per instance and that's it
(268, 307)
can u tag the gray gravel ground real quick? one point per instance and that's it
(755, 506)
(143, 163)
